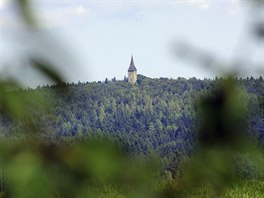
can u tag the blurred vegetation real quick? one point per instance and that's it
(35, 153)
(36, 163)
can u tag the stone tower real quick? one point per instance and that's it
(132, 72)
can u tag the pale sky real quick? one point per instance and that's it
(94, 40)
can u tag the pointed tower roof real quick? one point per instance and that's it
(132, 65)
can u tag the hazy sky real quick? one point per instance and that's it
(93, 40)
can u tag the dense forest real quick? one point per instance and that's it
(155, 116)
(179, 137)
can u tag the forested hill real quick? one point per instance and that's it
(155, 115)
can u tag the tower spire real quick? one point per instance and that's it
(132, 61)
(132, 71)
(132, 66)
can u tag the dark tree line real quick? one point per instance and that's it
(155, 116)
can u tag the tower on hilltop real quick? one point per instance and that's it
(132, 72)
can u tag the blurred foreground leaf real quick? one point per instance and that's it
(26, 12)
(48, 70)
(35, 168)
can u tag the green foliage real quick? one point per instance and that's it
(242, 188)
(59, 156)
(26, 12)
(58, 145)
(35, 168)
(47, 70)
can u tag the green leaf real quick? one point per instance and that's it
(48, 70)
